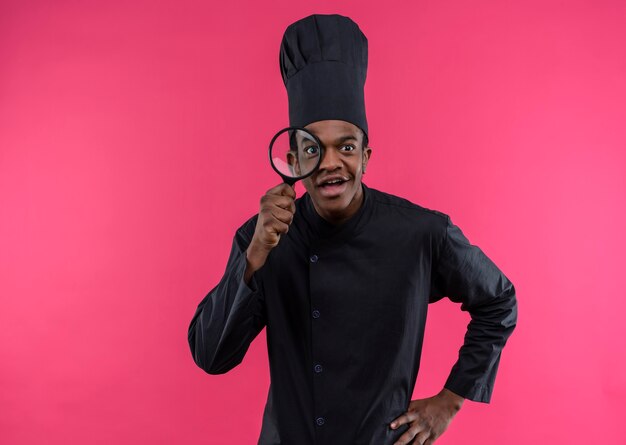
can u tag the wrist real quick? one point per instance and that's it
(453, 399)
(256, 255)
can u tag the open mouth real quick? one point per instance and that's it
(333, 187)
(332, 182)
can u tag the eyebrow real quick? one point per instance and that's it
(341, 139)
(345, 138)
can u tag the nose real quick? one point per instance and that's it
(330, 159)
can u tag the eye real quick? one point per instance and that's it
(311, 150)
(348, 147)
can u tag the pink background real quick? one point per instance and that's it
(126, 164)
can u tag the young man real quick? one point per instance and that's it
(342, 278)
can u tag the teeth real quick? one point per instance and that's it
(333, 182)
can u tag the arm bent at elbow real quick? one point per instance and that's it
(229, 317)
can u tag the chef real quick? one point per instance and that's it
(341, 278)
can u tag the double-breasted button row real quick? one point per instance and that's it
(317, 367)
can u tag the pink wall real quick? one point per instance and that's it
(126, 166)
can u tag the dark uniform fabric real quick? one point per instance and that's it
(345, 309)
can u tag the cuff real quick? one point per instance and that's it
(477, 392)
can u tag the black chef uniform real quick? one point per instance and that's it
(345, 309)
(345, 305)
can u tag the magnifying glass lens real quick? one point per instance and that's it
(295, 153)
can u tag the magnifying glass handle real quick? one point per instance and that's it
(290, 181)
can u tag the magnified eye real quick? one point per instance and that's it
(311, 150)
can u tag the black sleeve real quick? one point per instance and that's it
(466, 275)
(231, 315)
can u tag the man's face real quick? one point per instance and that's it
(343, 162)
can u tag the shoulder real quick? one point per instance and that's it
(409, 217)
(393, 205)
(245, 231)
(250, 223)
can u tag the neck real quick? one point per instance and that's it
(341, 216)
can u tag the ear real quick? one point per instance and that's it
(367, 154)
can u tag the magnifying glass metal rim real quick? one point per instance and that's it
(289, 179)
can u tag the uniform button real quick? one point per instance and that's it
(316, 314)
(319, 421)
(313, 258)
(318, 368)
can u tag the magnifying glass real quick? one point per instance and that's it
(295, 154)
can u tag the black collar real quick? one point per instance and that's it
(325, 229)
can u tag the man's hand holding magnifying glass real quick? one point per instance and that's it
(275, 215)
(294, 154)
